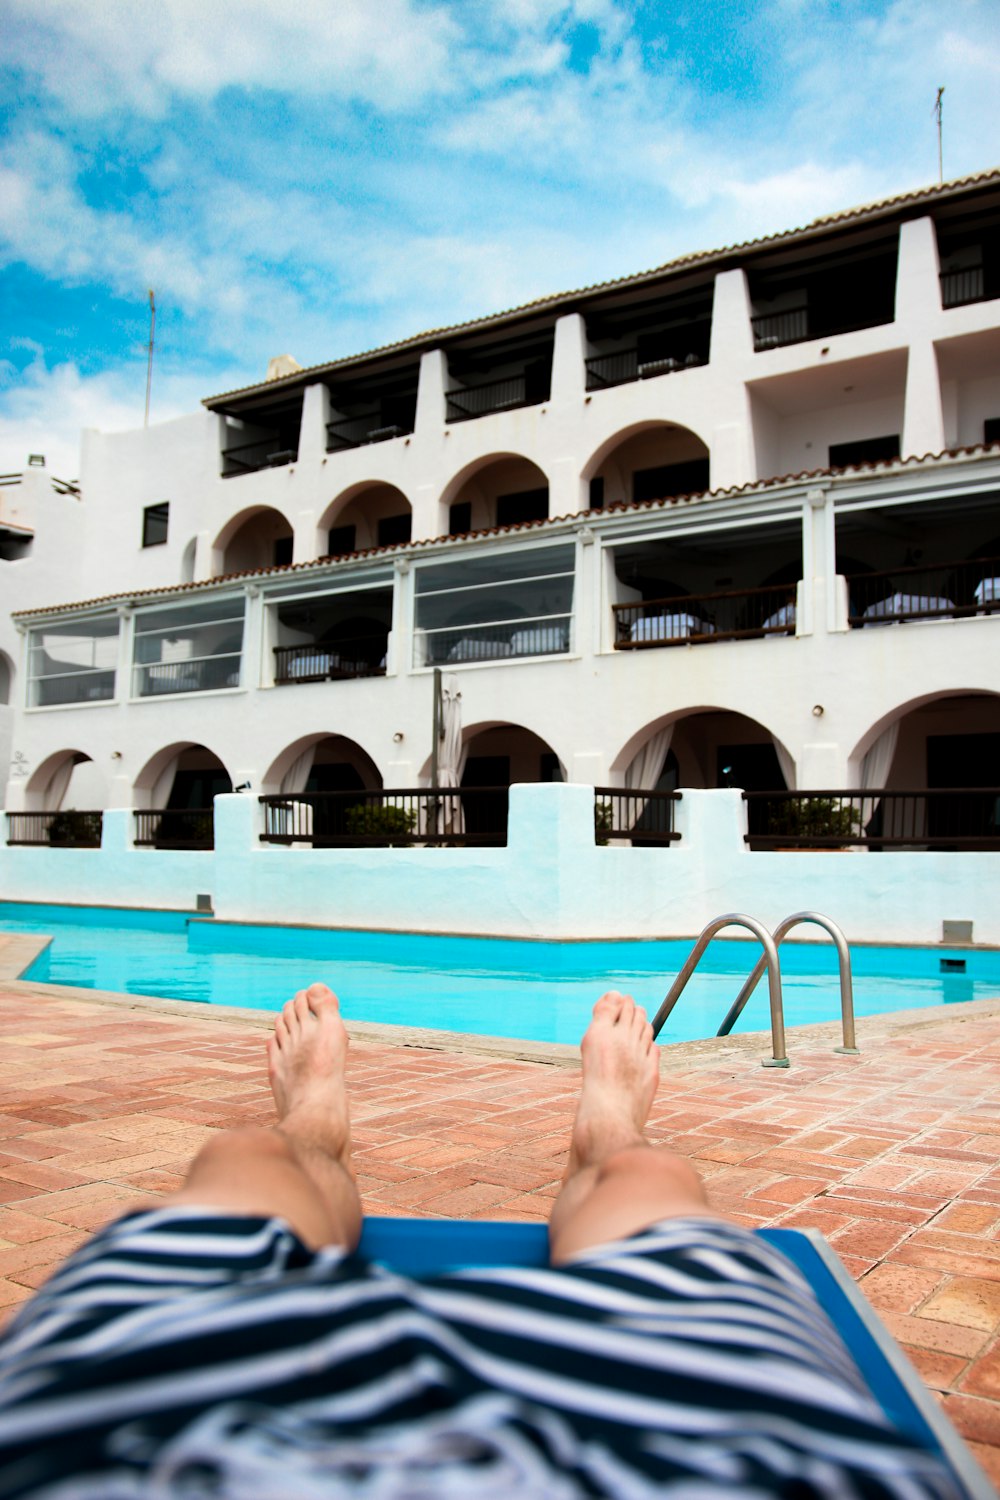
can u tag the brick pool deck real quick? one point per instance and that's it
(892, 1154)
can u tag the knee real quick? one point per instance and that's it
(244, 1143)
(654, 1169)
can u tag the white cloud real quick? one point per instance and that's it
(95, 59)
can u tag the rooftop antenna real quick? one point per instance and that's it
(937, 110)
(149, 365)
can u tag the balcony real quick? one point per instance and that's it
(928, 818)
(947, 591)
(263, 453)
(458, 817)
(604, 370)
(774, 330)
(493, 395)
(56, 830)
(175, 828)
(693, 619)
(357, 432)
(363, 656)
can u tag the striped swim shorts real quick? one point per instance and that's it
(191, 1354)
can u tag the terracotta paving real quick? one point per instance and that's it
(892, 1154)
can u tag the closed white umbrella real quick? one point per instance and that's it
(451, 756)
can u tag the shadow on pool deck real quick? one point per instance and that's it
(893, 1154)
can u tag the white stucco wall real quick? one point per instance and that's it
(551, 881)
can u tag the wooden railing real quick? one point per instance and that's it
(386, 818)
(361, 656)
(694, 618)
(944, 591)
(926, 818)
(175, 828)
(773, 330)
(73, 829)
(641, 817)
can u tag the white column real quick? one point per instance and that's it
(312, 430)
(918, 306)
(431, 386)
(732, 455)
(568, 357)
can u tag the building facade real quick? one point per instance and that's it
(734, 522)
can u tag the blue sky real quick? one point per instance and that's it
(318, 177)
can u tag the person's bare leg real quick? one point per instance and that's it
(301, 1170)
(616, 1183)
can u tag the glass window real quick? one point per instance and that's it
(72, 661)
(188, 648)
(155, 519)
(495, 606)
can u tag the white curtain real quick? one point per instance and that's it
(875, 769)
(295, 778)
(291, 819)
(164, 785)
(786, 764)
(58, 785)
(645, 770)
(452, 756)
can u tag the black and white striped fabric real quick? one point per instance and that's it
(188, 1354)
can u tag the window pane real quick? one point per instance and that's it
(72, 662)
(188, 649)
(154, 524)
(473, 572)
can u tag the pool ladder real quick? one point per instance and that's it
(770, 943)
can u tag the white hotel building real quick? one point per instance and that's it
(733, 522)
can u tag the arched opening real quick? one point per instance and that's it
(501, 490)
(317, 786)
(654, 461)
(175, 793)
(6, 677)
(322, 763)
(706, 748)
(494, 756)
(936, 761)
(63, 803)
(257, 538)
(369, 515)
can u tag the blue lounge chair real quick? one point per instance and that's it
(425, 1247)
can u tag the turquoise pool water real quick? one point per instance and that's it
(490, 986)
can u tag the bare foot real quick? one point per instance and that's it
(621, 1068)
(306, 1064)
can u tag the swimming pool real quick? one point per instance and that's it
(488, 986)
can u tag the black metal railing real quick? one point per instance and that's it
(641, 817)
(355, 432)
(73, 829)
(927, 818)
(200, 674)
(605, 370)
(961, 287)
(247, 458)
(361, 656)
(772, 330)
(175, 828)
(494, 395)
(695, 618)
(385, 818)
(945, 591)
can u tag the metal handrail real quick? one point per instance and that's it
(778, 1059)
(846, 984)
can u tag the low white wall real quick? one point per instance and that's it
(550, 881)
